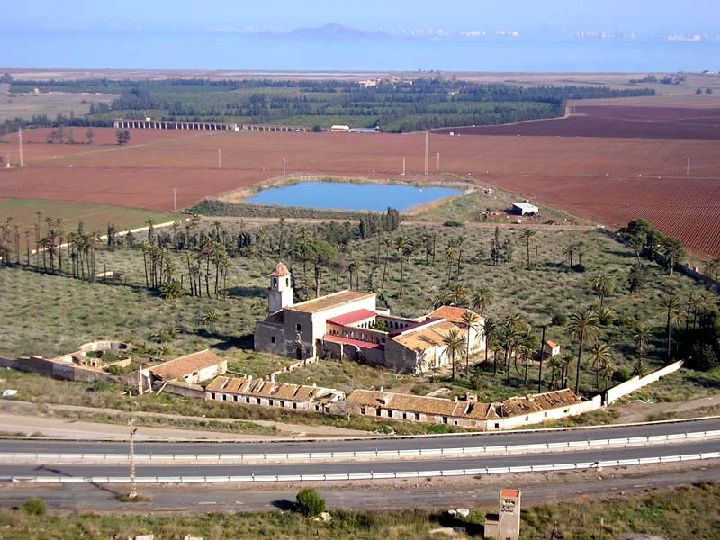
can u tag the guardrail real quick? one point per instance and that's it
(346, 477)
(368, 455)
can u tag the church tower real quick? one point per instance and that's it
(281, 290)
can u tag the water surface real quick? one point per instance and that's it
(354, 197)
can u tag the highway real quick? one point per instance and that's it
(405, 466)
(362, 445)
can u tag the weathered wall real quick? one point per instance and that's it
(635, 383)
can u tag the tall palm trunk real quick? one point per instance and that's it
(577, 368)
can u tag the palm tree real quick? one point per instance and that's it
(489, 330)
(569, 251)
(450, 255)
(600, 356)
(712, 268)
(507, 336)
(470, 320)
(457, 296)
(641, 337)
(482, 299)
(607, 370)
(529, 236)
(454, 343)
(672, 309)
(555, 366)
(603, 285)
(459, 243)
(405, 250)
(583, 326)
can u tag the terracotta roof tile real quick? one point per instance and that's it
(270, 390)
(329, 301)
(185, 365)
(280, 270)
(452, 313)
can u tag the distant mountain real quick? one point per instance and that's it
(330, 32)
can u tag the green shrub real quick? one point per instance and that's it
(453, 223)
(559, 319)
(34, 507)
(309, 502)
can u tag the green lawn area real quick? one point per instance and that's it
(95, 217)
(687, 512)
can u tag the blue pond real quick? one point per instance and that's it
(346, 196)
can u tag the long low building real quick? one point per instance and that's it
(469, 413)
(270, 394)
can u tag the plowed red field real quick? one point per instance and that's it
(611, 121)
(610, 181)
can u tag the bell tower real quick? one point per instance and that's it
(280, 295)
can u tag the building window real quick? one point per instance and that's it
(272, 339)
(272, 403)
(497, 425)
(378, 412)
(294, 405)
(287, 281)
(274, 282)
(362, 410)
(298, 327)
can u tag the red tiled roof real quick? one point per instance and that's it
(352, 317)
(280, 270)
(550, 343)
(186, 365)
(452, 313)
(509, 493)
(353, 342)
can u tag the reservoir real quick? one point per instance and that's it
(353, 197)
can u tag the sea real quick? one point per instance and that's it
(228, 51)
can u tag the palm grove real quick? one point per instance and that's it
(196, 258)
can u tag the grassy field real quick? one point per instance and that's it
(26, 105)
(689, 512)
(23, 212)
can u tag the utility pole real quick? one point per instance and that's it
(688, 167)
(284, 167)
(22, 155)
(133, 488)
(175, 199)
(542, 356)
(437, 162)
(427, 153)
(219, 158)
(403, 173)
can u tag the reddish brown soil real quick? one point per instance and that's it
(608, 180)
(610, 121)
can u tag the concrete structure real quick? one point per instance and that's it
(524, 209)
(635, 383)
(270, 394)
(469, 413)
(190, 369)
(171, 124)
(504, 525)
(348, 325)
(148, 123)
(340, 128)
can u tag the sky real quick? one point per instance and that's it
(646, 17)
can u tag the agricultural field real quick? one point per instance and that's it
(27, 105)
(607, 181)
(614, 121)
(95, 217)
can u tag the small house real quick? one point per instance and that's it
(524, 209)
(550, 349)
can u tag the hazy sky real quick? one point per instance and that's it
(648, 17)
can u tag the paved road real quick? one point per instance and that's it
(191, 498)
(411, 465)
(483, 439)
